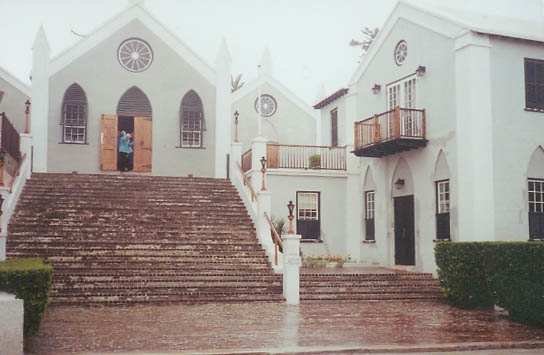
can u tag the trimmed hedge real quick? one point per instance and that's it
(30, 280)
(508, 274)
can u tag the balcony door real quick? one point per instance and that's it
(402, 93)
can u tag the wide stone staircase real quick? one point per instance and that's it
(369, 285)
(119, 239)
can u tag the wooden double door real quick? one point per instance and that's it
(109, 137)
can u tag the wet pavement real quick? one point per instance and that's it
(262, 328)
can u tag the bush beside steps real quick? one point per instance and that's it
(30, 280)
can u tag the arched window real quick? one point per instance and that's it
(74, 115)
(192, 120)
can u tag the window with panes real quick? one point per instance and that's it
(534, 84)
(370, 208)
(74, 115)
(536, 208)
(192, 120)
(443, 209)
(308, 205)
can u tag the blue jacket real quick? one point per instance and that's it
(123, 143)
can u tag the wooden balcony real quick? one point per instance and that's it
(289, 156)
(305, 157)
(390, 133)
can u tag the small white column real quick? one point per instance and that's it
(291, 268)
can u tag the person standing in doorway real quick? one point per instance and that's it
(124, 151)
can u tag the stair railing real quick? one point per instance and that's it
(247, 183)
(277, 240)
(17, 149)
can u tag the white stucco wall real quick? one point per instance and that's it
(331, 187)
(435, 93)
(104, 81)
(516, 134)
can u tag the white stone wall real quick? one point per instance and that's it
(11, 326)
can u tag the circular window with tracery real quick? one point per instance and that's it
(266, 105)
(135, 55)
(401, 52)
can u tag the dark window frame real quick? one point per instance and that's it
(370, 215)
(535, 198)
(313, 218)
(442, 217)
(534, 84)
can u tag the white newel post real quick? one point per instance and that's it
(291, 268)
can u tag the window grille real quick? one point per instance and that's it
(192, 120)
(443, 209)
(536, 208)
(74, 115)
(370, 215)
(534, 84)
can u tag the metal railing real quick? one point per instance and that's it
(305, 157)
(390, 125)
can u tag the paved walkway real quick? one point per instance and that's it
(276, 328)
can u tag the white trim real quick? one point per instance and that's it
(15, 82)
(135, 11)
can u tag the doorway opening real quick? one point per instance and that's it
(125, 161)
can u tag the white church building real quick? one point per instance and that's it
(438, 136)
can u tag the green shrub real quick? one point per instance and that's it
(30, 280)
(314, 161)
(515, 274)
(508, 274)
(461, 274)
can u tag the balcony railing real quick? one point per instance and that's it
(305, 157)
(390, 132)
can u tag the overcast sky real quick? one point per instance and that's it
(308, 39)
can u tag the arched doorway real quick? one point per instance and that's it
(403, 198)
(134, 116)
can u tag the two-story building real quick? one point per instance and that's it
(446, 114)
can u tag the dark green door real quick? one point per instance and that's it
(405, 251)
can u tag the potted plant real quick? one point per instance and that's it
(314, 161)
